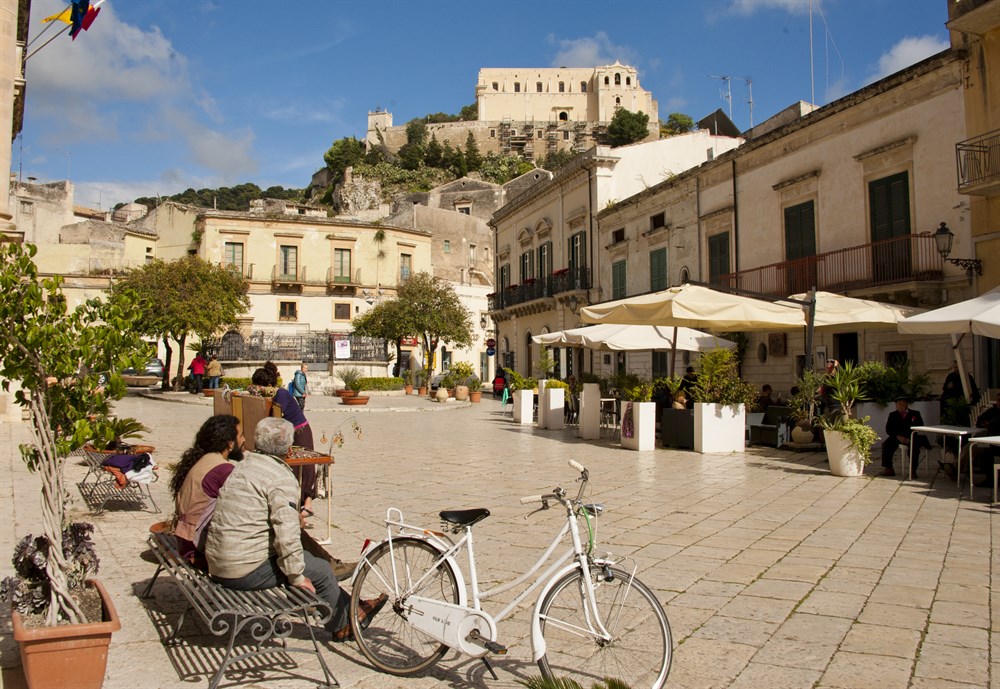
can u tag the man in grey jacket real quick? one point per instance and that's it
(254, 541)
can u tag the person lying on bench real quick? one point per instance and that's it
(254, 540)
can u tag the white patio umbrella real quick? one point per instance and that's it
(838, 312)
(612, 337)
(979, 316)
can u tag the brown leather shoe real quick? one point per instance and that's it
(367, 609)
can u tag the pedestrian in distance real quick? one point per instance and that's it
(214, 372)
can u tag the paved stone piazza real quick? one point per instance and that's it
(773, 573)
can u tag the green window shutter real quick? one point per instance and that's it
(800, 231)
(718, 257)
(889, 199)
(658, 269)
(618, 290)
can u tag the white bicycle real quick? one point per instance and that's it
(592, 620)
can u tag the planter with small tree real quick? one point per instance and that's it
(475, 389)
(350, 375)
(849, 440)
(357, 399)
(803, 403)
(460, 374)
(721, 400)
(638, 431)
(52, 354)
(552, 403)
(522, 390)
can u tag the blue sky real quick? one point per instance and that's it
(164, 95)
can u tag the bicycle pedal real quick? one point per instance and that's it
(495, 648)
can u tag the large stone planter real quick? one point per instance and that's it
(844, 459)
(719, 428)
(461, 393)
(524, 407)
(643, 425)
(441, 395)
(590, 412)
(551, 408)
(930, 412)
(73, 655)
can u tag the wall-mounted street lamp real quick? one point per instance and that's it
(482, 321)
(943, 239)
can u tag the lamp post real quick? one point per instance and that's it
(943, 239)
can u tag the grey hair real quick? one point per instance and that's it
(274, 436)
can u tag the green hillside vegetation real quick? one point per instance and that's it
(236, 198)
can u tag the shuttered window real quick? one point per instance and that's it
(718, 257)
(800, 231)
(889, 199)
(658, 269)
(618, 280)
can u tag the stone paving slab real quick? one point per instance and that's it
(773, 572)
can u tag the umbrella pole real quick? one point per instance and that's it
(810, 328)
(673, 357)
(955, 341)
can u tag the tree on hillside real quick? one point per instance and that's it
(416, 132)
(556, 159)
(627, 127)
(344, 153)
(469, 113)
(472, 158)
(433, 154)
(676, 123)
(180, 298)
(426, 307)
(500, 169)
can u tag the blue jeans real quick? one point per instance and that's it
(268, 575)
(213, 382)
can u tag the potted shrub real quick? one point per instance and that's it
(410, 377)
(524, 398)
(350, 375)
(638, 423)
(356, 386)
(63, 396)
(849, 440)
(460, 373)
(883, 385)
(110, 434)
(475, 389)
(552, 404)
(721, 400)
(803, 404)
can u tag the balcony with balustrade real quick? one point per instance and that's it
(899, 262)
(245, 271)
(978, 162)
(539, 294)
(338, 283)
(283, 279)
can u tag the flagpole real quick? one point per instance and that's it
(65, 29)
(48, 26)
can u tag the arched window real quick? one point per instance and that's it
(618, 102)
(517, 87)
(583, 87)
(562, 87)
(496, 86)
(538, 86)
(618, 79)
(628, 81)
(606, 82)
(564, 116)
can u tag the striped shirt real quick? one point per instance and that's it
(256, 518)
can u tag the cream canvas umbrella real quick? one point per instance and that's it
(611, 337)
(837, 312)
(695, 306)
(979, 316)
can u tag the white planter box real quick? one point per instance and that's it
(541, 403)
(930, 412)
(553, 401)
(844, 459)
(719, 428)
(524, 407)
(590, 412)
(644, 426)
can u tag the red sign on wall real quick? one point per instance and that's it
(408, 341)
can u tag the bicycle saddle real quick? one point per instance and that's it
(465, 517)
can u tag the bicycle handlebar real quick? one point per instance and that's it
(537, 498)
(576, 465)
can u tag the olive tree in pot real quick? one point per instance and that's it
(61, 364)
(804, 403)
(849, 440)
(721, 400)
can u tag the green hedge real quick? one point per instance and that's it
(381, 384)
(234, 383)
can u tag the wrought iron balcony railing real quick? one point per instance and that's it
(978, 161)
(540, 288)
(886, 262)
(296, 276)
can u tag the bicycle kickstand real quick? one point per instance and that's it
(489, 666)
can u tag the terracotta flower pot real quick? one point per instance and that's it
(208, 392)
(74, 655)
(475, 396)
(355, 401)
(344, 394)
(408, 389)
(422, 390)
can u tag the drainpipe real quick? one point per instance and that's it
(590, 219)
(736, 225)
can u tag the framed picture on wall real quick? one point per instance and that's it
(777, 344)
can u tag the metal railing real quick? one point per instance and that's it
(111, 266)
(978, 160)
(886, 262)
(297, 277)
(309, 347)
(343, 280)
(245, 271)
(540, 288)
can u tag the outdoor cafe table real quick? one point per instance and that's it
(956, 431)
(299, 456)
(993, 440)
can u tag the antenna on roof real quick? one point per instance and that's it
(749, 83)
(727, 95)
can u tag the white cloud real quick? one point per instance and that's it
(751, 6)
(328, 112)
(906, 52)
(838, 89)
(589, 51)
(227, 153)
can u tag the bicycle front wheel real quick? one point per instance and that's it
(640, 649)
(388, 641)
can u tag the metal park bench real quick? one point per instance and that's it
(100, 487)
(267, 615)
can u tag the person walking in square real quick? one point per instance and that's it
(197, 368)
(300, 386)
(214, 372)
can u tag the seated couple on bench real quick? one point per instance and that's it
(238, 516)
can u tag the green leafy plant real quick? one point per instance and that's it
(111, 432)
(804, 401)
(235, 383)
(668, 384)
(847, 383)
(380, 383)
(719, 381)
(350, 375)
(546, 364)
(460, 373)
(30, 590)
(518, 382)
(474, 383)
(555, 384)
(635, 388)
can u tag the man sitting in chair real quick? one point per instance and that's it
(897, 432)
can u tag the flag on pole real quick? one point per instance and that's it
(82, 15)
(65, 16)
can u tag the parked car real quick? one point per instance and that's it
(153, 367)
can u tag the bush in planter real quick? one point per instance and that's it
(636, 389)
(460, 372)
(52, 353)
(847, 383)
(719, 382)
(234, 383)
(518, 382)
(380, 383)
(804, 402)
(29, 591)
(350, 375)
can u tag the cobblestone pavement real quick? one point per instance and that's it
(773, 572)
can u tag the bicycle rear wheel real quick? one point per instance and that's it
(389, 642)
(639, 653)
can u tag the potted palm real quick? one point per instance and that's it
(410, 376)
(350, 375)
(357, 399)
(721, 400)
(48, 355)
(849, 440)
(638, 431)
